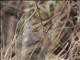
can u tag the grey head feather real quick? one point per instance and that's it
(29, 37)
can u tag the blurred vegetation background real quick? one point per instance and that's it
(40, 30)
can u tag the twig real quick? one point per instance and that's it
(32, 52)
(63, 49)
